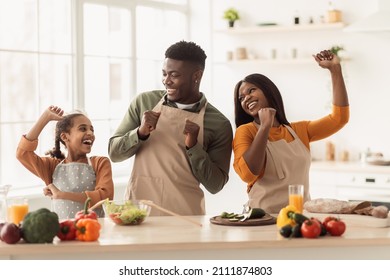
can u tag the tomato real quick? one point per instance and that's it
(336, 227)
(311, 228)
(323, 228)
(328, 219)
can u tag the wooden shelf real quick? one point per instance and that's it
(304, 60)
(281, 28)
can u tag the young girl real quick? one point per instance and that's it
(72, 178)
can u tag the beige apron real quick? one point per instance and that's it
(161, 170)
(287, 163)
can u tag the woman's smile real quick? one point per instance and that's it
(251, 105)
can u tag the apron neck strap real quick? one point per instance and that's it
(88, 159)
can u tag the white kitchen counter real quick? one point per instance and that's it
(172, 238)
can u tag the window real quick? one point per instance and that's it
(93, 55)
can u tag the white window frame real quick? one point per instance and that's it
(78, 61)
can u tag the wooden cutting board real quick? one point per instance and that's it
(266, 220)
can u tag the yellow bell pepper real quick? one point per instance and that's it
(284, 216)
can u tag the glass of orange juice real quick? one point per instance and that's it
(295, 196)
(17, 209)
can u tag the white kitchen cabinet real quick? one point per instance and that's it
(363, 186)
(322, 184)
(350, 181)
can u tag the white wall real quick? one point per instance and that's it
(306, 87)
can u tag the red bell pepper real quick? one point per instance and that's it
(85, 214)
(67, 230)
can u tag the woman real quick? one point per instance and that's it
(269, 152)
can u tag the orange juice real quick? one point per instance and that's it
(297, 201)
(17, 212)
(295, 196)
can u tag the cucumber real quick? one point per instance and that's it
(227, 215)
(224, 214)
(286, 231)
(298, 218)
(296, 231)
(232, 215)
(250, 213)
(323, 230)
(256, 213)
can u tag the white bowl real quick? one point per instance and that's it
(126, 212)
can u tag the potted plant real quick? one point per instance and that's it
(339, 51)
(231, 15)
(336, 49)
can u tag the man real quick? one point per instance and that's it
(179, 139)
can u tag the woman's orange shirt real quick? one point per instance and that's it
(307, 131)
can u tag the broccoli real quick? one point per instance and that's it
(40, 226)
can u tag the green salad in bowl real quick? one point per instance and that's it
(126, 212)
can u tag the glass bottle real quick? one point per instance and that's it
(3, 202)
(296, 17)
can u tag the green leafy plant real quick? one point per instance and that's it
(231, 14)
(336, 48)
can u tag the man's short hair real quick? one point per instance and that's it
(187, 51)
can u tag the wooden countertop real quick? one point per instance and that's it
(172, 238)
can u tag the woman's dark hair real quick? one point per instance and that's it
(271, 93)
(187, 51)
(63, 125)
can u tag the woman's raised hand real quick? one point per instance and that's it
(326, 59)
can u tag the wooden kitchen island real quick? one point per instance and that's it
(172, 238)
